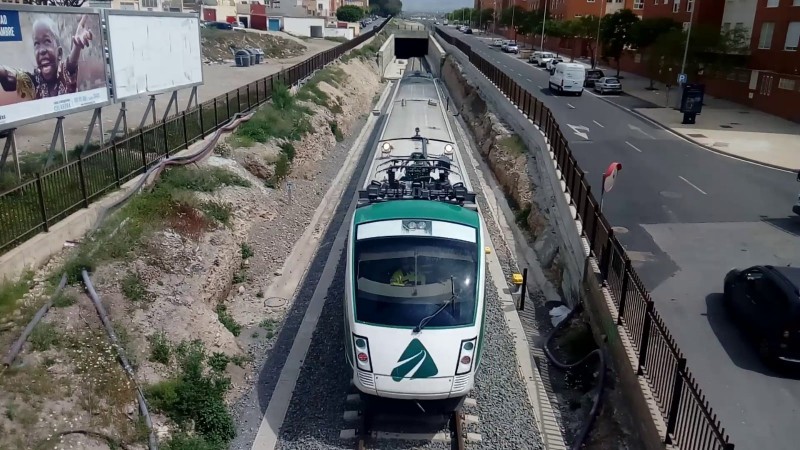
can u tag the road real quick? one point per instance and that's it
(686, 216)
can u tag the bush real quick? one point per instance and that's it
(12, 291)
(227, 320)
(133, 287)
(195, 396)
(218, 361)
(337, 132)
(288, 149)
(281, 168)
(221, 212)
(63, 300)
(282, 98)
(160, 350)
(43, 337)
(246, 250)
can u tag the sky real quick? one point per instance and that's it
(435, 5)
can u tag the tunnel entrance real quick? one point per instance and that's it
(407, 48)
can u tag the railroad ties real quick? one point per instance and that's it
(368, 428)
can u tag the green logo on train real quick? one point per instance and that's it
(416, 359)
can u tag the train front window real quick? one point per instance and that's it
(401, 280)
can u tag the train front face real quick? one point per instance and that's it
(415, 300)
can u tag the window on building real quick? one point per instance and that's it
(676, 6)
(773, 3)
(786, 83)
(792, 36)
(689, 5)
(638, 4)
(796, 3)
(149, 3)
(589, 1)
(765, 39)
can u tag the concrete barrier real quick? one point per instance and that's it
(435, 56)
(386, 54)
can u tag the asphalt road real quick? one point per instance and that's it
(686, 216)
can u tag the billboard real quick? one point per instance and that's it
(52, 63)
(153, 52)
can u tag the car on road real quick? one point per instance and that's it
(796, 207)
(567, 78)
(541, 61)
(765, 302)
(608, 84)
(592, 75)
(468, 30)
(511, 47)
(551, 63)
(497, 42)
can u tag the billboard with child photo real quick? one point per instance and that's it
(52, 63)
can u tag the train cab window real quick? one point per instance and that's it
(399, 281)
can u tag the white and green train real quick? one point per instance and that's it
(414, 301)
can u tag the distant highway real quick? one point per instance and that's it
(686, 216)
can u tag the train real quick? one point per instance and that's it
(414, 306)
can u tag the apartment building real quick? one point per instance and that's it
(776, 32)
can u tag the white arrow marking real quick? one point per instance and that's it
(635, 128)
(570, 106)
(599, 125)
(580, 130)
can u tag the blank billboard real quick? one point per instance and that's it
(153, 52)
(51, 63)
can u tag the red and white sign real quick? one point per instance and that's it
(610, 176)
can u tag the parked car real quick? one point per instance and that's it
(219, 25)
(567, 78)
(608, 84)
(551, 63)
(796, 207)
(468, 30)
(510, 47)
(592, 75)
(765, 299)
(497, 42)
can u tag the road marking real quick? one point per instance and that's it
(529, 80)
(541, 87)
(598, 124)
(692, 185)
(570, 106)
(580, 130)
(633, 146)
(635, 128)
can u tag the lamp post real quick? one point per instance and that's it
(544, 20)
(597, 38)
(513, 10)
(688, 36)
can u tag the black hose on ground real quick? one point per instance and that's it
(599, 353)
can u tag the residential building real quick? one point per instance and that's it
(709, 12)
(359, 3)
(776, 31)
(741, 14)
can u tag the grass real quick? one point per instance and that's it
(160, 350)
(171, 203)
(227, 320)
(133, 287)
(195, 396)
(221, 212)
(12, 291)
(246, 251)
(337, 132)
(218, 361)
(63, 300)
(270, 326)
(44, 337)
(513, 144)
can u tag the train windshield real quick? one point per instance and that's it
(402, 280)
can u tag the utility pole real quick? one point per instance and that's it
(513, 10)
(544, 20)
(688, 36)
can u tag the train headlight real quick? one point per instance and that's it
(448, 149)
(466, 356)
(386, 147)
(361, 348)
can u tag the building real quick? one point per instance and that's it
(774, 41)
(709, 12)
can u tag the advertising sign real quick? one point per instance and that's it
(153, 53)
(52, 63)
(692, 98)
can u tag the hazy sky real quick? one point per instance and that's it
(435, 5)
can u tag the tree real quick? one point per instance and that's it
(644, 35)
(349, 13)
(528, 24)
(387, 7)
(585, 29)
(486, 17)
(615, 33)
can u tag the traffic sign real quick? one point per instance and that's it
(610, 176)
(682, 78)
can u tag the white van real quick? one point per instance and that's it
(568, 77)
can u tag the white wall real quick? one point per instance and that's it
(346, 33)
(302, 26)
(740, 11)
(435, 56)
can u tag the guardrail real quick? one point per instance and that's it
(691, 424)
(35, 205)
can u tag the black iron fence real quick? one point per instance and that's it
(37, 204)
(691, 424)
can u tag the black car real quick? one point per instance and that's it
(766, 300)
(592, 75)
(219, 25)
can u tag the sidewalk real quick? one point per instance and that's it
(723, 126)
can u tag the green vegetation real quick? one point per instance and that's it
(513, 144)
(521, 217)
(350, 13)
(270, 325)
(218, 361)
(195, 396)
(44, 336)
(133, 287)
(63, 300)
(171, 203)
(221, 212)
(246, 250)
(227, 320)
(160, 350)
(12, 291)
(337, 132)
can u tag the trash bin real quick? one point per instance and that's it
(252, 54)
(259, 55)
(242, 58)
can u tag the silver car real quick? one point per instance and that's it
(608, 84)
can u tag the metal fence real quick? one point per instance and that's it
(37, 204)
(691, 424)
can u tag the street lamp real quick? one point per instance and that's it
(597, 39)
(544, 20)
(688, 36)
(513, 10)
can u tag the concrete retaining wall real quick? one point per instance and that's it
(435, 56)
(386, 54)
